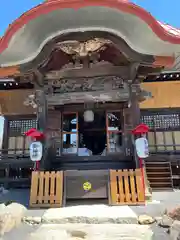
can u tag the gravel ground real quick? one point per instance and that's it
(168, 200)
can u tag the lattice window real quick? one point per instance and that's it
(19, 127)
(162, 120)
(164, 135)
(18, 143)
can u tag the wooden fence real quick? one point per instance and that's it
(46, 189)
(126, 187)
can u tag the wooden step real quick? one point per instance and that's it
(159, 178)
(157, 163)
(159, 175)
(161, 183)
(162, 189)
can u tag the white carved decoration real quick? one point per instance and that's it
(82, 48)
(30, 101)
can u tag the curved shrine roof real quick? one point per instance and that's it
(26, 36)
(170, 29)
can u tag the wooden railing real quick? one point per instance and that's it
(46, 189)
(15, 168)
(126, 187)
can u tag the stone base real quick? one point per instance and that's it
(92, 232)
(11, 216)
(90, 214)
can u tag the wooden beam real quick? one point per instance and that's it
(40, 99)
(96, 106)
(9, 71)
(104, 70)
(91, 96)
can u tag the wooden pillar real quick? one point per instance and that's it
(136, 120)
(4, 150)
(5, 137)
(135, 116)
(132, 113)
(53, 133)
(134, 87)
(135, 111)
(133, 103)
(41, 102)
(41, 109)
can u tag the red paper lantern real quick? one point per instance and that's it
(28, 133)
(140, 129)
(34, 133)
(37, 136)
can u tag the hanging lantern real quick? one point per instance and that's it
(88, 116)
(36, 151)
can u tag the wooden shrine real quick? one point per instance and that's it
(85, 83)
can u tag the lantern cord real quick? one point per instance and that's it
(36, 166)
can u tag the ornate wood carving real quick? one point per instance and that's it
(103, 69)
(82, 48)
(85, 85)
(94, 89)
(91, 96)
(120, 45)
(88, 84)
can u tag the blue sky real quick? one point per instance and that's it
(164, 10)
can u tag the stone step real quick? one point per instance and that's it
(94, 214)
(92, 232)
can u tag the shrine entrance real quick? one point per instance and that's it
(90, 133)
(90, 139)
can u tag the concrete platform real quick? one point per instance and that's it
(92, 232)
(90, 214)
